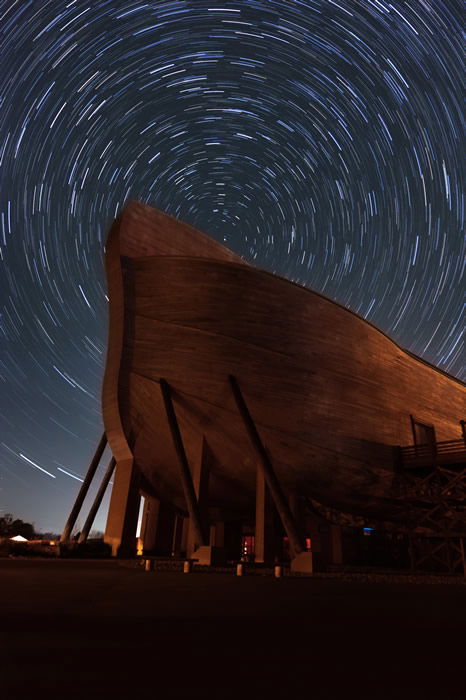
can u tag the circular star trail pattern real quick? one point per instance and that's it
(318, 139)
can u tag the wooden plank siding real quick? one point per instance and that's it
(330, 394)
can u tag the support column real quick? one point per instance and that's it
(264, 542)
(97, 501)
(232, 538)
(336, 549)
(217, 534)
(302, 560)
(186, 480)
(163, 545)
(177, 541)
(200, 480)
(210, 552)
(123, 512)
(158, 526)
(150, 517)
(267, 469)
(184, 537)
(70, 523)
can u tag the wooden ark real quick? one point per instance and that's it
(330, 397)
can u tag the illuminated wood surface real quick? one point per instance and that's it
(331, 396)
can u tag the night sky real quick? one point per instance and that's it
(320, 140)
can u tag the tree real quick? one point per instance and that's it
(24, 529)
(5, 524)
(10, 527)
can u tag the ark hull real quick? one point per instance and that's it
(330, 395)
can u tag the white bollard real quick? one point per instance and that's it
(187, 567)
(277, 572)
(239, 569)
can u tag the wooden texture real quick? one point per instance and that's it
(331, 396)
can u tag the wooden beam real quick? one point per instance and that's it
(264, 535)
(97, 501)
(185, 473)
(199, 470)
(120, 530)
(83, 490)
(272, 482)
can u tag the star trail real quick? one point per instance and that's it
(320, 140)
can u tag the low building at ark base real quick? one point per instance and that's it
(256, 417)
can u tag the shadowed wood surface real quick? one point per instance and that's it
(331, 396)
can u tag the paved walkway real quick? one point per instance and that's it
(74, 629)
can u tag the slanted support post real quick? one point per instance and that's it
(200, 472)
(264, 544)
(97, 501)
(83, 490)
(265, 464)
(186, 480)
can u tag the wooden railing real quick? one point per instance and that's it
(447, 452)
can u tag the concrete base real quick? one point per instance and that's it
(302, 563)
(208, 555)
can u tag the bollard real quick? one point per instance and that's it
(277, 572)
(148, 565)
(239, 569)
(187, 567)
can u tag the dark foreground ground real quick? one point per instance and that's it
(71, 629)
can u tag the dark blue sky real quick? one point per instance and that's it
(319, 139)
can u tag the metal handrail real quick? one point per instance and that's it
(412, 454)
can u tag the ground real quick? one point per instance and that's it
(75, 629)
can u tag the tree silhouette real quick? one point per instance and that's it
(10, 527)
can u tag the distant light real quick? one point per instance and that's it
(18, 538)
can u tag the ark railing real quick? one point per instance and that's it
(431, 455)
